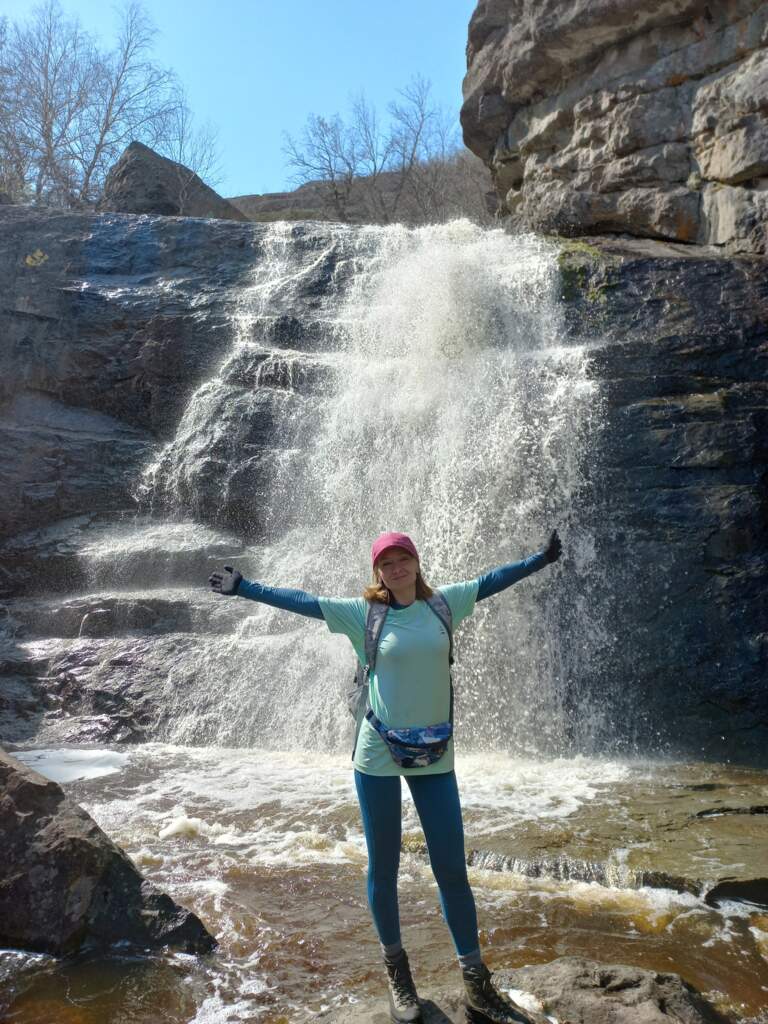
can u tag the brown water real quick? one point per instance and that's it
(266, 848)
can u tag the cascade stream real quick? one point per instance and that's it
(438, 398)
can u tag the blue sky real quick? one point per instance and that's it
(257, 69)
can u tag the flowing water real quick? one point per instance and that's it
(267, 848)
(439, 399)
(419, 381)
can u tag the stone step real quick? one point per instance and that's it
(87, 553)
(112, 613)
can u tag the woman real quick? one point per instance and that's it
(410, 687)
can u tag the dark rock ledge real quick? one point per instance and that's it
(64, 886)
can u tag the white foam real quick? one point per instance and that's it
(215, 1010)
(498, 790)
(67, 765)
(145, 858)
(184, 826)
(283, 806)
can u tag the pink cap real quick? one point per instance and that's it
(392, 540)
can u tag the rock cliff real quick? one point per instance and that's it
(681, 479)
(610, 116)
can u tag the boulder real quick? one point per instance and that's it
(736, 890)
(64, 886)
(583, 991)
(570, 990)
(611, 116)
(143, 181)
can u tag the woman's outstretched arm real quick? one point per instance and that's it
(231, 583)
(505, 575)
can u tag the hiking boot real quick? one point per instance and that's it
(485, 1004)
(404, 1006)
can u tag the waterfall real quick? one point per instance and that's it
(386, 378)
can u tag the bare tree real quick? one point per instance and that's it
(412, 117)
(412, 170)
(13, 159)
(50, 67)
(471, 189)
(374, 153)
(194, 149)
(67, 109)
(130, 98)
(327, 153)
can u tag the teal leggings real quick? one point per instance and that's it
(437, 802)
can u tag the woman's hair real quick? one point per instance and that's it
(378, 592)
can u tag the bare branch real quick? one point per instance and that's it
(327, 154)
(414, 169)
(68, 109)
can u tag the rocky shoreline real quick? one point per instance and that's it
(570, 990)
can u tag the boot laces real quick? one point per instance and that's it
(494, 999)
(402, 984)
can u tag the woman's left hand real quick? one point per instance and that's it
(554, 548)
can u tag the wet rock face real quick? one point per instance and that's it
(680, 477)
(64, 886)
(109, 324)
(647, 118)
(58, 459)
(112, 323)
(142, 181)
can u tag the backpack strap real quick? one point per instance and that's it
(359, 703)
(442, 610)
(374, 624)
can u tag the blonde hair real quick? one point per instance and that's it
(377, 591)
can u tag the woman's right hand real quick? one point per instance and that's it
(226, 582)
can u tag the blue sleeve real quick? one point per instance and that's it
(499, 579)
(281, 597)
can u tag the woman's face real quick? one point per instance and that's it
(397, 568)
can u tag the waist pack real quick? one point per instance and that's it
(412, 747)
(415, 747)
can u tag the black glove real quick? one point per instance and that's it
(225, 582)
(554, 548)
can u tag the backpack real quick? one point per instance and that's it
(357, 697)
